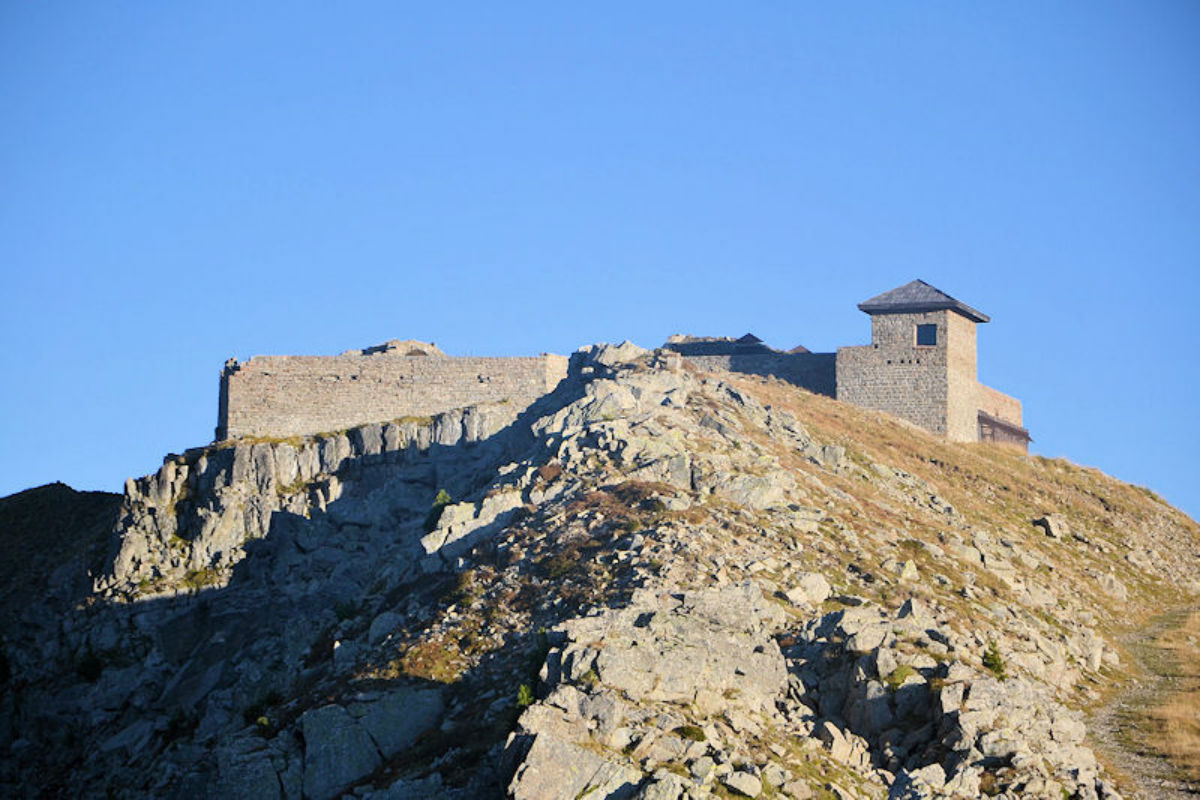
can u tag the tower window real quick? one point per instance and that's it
(926, 335)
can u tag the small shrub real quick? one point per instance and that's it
(691, 733)
(255, 713)
(524, 696)
(148, 585)
(465, 589)
(988, 784)
(994, 661)
(440, 502)
(899, 675)
(548, 472)
(560, 564)
(197, 579)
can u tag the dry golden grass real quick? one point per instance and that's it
(1002, 490)
(1175, 723)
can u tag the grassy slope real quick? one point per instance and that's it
(1001, 490)
(1175, 720)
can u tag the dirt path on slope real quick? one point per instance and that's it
(1121, 729)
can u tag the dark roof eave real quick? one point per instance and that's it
(1010, 427)
(917, 308)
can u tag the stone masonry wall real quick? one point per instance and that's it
(893, 374)
(280, 396)
(999, 405)
(962, 385)
(813, 371)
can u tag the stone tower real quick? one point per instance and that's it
(921, 366)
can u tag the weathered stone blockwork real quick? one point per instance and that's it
(896, 375)
(934, 386)
(999, 405)
(921, 366)
(296, 395)
(814, 371)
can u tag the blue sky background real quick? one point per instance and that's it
(182, 183)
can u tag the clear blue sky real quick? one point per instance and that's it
(185, 182)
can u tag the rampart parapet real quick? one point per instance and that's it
(280, 396)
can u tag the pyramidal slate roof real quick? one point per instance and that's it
(919, 296)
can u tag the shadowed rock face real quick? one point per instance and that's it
(652, 583)
(50, 538)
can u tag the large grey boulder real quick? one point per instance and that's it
(463, 524)
(397, 719)
(382, 626)
(811, 589)
(245, 768)
(708, 644)
(664, 786)
(337, 752)
(611, 355)
(743, 783)
(1055, 526)
(554, 769)
(710, 650)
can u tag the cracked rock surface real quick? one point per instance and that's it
(654, 582)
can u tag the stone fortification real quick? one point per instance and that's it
(921, 366)
(280, 396)
(814, 371)
(892, 374)
(998, 405)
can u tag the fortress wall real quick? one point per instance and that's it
(962, 401)
(282, 396)
(813, 371)
(896, 376)
(998, 404)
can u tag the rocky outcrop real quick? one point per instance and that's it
(652, 583)
(628, 689)
(344, 744)
(942, 728)
(189, 523)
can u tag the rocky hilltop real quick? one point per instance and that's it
(654, 582)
